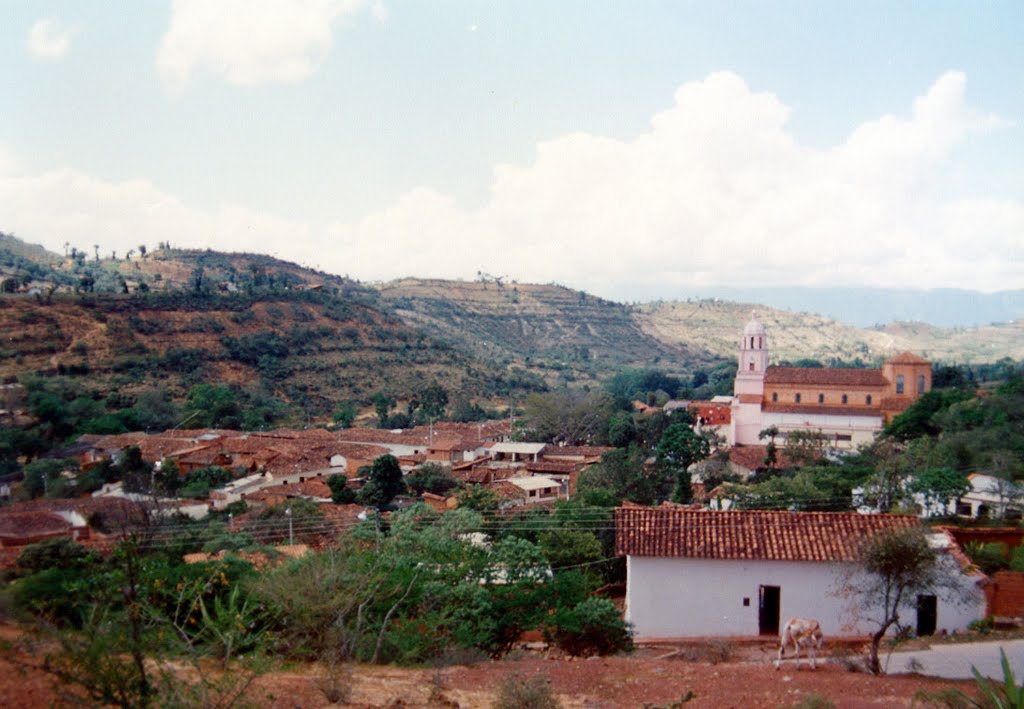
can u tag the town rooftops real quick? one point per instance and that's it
(819, 376)
(755, 535)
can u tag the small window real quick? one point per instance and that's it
(844, 398)
(775, 396)
(821, 398)
(899, 383)
(797, 398)
(760, 343)
(920, 384)
(751, 366)
(867, 400)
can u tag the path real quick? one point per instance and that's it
(954, 661)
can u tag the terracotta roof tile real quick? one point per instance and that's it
(819, 376)
(821, 410)
(758, 535)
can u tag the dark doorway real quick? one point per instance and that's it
(768, 610)
(927, 613)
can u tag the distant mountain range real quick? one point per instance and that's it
(871, 307)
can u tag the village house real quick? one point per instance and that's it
(704, 573)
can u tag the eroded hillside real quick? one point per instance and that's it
(561, 333)
(310, 349)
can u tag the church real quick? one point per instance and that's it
(849, 406)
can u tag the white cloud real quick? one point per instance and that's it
(48, 40)
(67, 205)
(251, 42)
(717, 192)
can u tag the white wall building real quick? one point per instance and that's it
(699, 573)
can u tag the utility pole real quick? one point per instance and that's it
(291, 530)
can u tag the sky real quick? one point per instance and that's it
(635, 150)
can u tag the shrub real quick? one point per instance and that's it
(529, 693)
(592, 627)
(55, 553)
(990, 557)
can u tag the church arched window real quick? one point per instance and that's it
(920, 384)
(867, 400)
(899, 383)
(797, 398)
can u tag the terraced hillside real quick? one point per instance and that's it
(303, 347)
(715, 324)
(560, 333)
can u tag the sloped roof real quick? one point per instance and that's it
(821, 410)
(821, 376)
(756, 535)
(907, 358)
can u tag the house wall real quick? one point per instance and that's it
(670, 597)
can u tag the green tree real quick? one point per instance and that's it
(154, 411)
(621, 475)
(341, 493)
(433, 399)
(805, 447)
(432, 478)
(679, 448)
(477, 498)
(895, 566)
(345, 415)
(384, 483)
(382, 404)
(569, 416)
(939, 486)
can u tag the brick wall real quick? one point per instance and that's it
(1005, 594)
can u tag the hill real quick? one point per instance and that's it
(562, 334)
(306, 338)
(715, 325)
(173, 318)
(870, 307)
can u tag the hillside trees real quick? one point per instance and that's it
(680, 447)
(567, 416)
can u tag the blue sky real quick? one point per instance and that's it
(635, 150)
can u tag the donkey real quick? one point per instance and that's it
(800, 632)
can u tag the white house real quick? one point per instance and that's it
(700, 573)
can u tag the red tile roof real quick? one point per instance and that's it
(818, 376)
(758, 535)
(821, 410)
(18, 525)
(752, 457)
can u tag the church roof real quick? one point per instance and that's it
(754, 327)
(820, 410)
(820, 376)
(907, 358)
